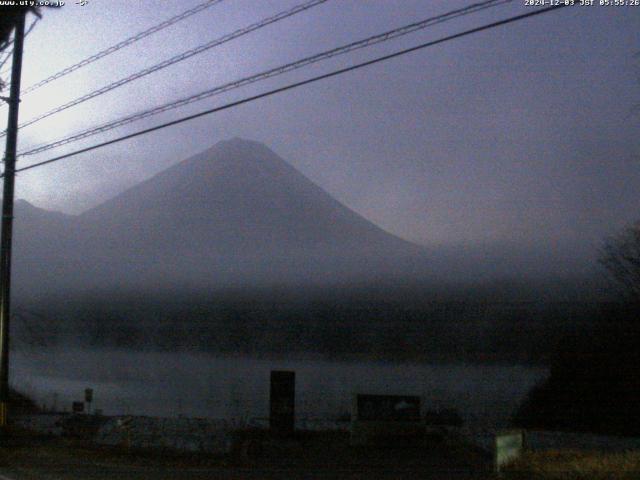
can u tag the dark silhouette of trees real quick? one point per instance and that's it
(594, 384)
(621, 257)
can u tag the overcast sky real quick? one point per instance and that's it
(524, 133)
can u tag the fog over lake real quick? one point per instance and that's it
(237, 388)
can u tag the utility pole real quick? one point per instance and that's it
(7, 215)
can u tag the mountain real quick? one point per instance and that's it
(43, 249)
(238, 215)
(235, 214)
(222, 251)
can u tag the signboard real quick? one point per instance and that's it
(509, 446)
(386, 420)
(77, 407)
(388, 407)
(282, 402)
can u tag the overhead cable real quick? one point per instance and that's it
(175, 59)
(295, 85)
(280, 70)
(120, 45)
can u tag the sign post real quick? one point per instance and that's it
(88, 398)
(282, 402)
(77, 407)
(386, 420)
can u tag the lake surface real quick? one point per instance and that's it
(237, 388)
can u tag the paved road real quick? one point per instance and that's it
(105, 471)
(319, 458)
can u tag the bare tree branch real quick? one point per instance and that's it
(620, 255)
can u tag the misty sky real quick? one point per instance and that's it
(523, 133)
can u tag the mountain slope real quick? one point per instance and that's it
(235, 214)
(236, 198)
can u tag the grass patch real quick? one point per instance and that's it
(569, 465)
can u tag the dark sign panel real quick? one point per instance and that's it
(282, 402)
(388, 407)
(78, 407)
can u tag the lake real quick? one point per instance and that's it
(237, 388)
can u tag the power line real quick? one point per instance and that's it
(296, 85)
(122, 44)
(280, 70)
(175, 59)
(4, 60)
(33, 24)
(6, 45)
(10, 54)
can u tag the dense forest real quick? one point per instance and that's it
(469, 327)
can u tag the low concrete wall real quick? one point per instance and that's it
(185, 434)
(579, 441)
(545, 440)
(45, 423)
(182, 434)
